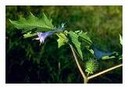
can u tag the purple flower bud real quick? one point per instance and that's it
(42, 36)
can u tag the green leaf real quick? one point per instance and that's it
(121, 41)
(85, 37)
(120, 57)
(32, 22)
(29, 34)
(108, 57)
(62, 39)
(75, 41)
(91, 51)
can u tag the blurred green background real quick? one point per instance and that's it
(103, 24)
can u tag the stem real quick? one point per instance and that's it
(78, 65)
(105, 71)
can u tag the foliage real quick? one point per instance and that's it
(40, 24)
(74, 39)
(56, 65)
(85, 37)
(62, 39)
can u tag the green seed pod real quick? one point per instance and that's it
(91, 66)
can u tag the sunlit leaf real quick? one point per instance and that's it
(62, 39)
(107, 57)
(29, 34)
(91, 51)
(121, 41)
(75, 41)
(32, 22)
(85, 37)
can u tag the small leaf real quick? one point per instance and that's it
(91, 51)
(85, 37)
(32, 22)
(75, 41)
(120, 57)
(121, 41)
(29, 34)
(62, 39)
(108, 57)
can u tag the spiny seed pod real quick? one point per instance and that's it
(91, 66)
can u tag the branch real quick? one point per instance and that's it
(78, 65)
(105, 71)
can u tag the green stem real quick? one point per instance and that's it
(104, 71)
(78, 65)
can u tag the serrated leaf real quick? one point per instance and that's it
(85, 37)
(75, 41)
(32, 22)
(47, 21)
(62, 39)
